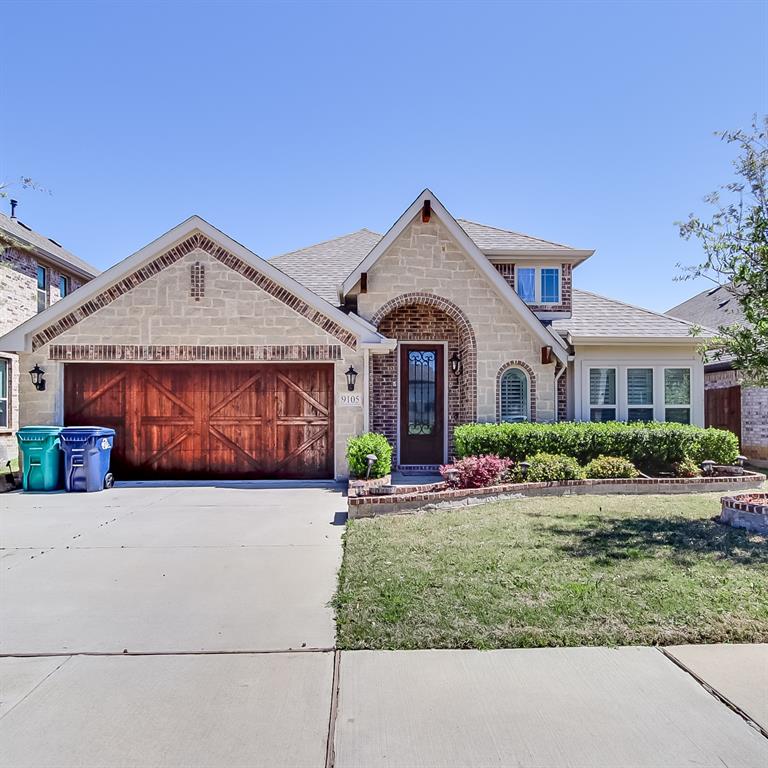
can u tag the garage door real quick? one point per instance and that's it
(209, 421)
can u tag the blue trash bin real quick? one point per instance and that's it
(87, 452)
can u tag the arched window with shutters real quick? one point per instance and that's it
(514, 398)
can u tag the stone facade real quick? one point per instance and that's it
(754, 413)
(162, 319)
(18, 302)
(425, 261)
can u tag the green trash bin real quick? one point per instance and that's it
(41, 457)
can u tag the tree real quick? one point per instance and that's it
(735, 246)
(25, 182)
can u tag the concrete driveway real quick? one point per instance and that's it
(159, 569)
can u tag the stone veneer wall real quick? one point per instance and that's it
(18, 302)
(754, 413)
(162, 318)
(426, 259)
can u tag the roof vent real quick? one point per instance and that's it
(14, 203)
(55, 243)
(714, 290)
(723, 303)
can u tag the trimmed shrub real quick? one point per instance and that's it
(476, 471)
(686, 468)
(359, 447)
(652, 447)
(546, 467)
(610, 466)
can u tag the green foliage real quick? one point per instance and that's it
(547, 467)
(652, 447)
(359, 447)
(610, 466)
(735, 249)
(686, 468)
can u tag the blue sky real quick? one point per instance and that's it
(287, 124)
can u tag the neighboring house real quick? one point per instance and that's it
(211, 362)
(35, 272)
(729, 403)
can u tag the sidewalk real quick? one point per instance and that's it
(533, 708)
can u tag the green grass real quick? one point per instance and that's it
(582, 570)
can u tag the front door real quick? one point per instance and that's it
(422, 404)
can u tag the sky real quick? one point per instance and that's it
(590, 124)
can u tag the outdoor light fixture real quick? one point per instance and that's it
(708, 466)
(741, 460)
(456, 366)
(524, 467)
(351, 375)
(371, 458)
(37, 377)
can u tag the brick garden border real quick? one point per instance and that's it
(439, 495)
(753, 516)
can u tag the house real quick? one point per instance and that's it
(729, 402)
(35, 272)
(212, 362)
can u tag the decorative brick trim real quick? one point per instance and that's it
(189, 353)
(755, 507)
(562, 397)
(532, 397)
(171, 256)
(507, 271)
(197, 281)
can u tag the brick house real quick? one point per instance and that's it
(35, 272)
(212, 362)
(729, 402)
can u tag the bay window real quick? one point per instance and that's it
(602, 394)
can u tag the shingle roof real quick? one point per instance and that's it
(323, 267)
(488, 238)
(597, 316)
(713, 308)
(18, 231)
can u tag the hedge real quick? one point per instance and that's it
(358, 448)
(651, 446)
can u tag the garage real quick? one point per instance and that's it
(208, 421)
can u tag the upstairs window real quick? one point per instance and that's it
(513, 396)
(526, 284)
(63, 286)
(42, 288)
(538, 285)
(4, 368)
(677, 395)
(602, 394)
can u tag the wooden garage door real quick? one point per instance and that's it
(208, 421)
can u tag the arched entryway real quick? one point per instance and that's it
(415, 398)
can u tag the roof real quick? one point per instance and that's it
(45, 247)
(492, 238)
(323, 267)
(597, 318)
(20, 338)
(714, 307)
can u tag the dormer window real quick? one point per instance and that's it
(538, 285)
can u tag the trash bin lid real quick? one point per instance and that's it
(82, 432)
(38, 431)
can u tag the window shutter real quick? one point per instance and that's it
(514, 396)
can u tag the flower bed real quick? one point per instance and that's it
(747, 510)
(440, 495)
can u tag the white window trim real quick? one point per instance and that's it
(581, 384)
(590, 404)
(537, 282)
(688, 405)
(45, 290)
(5, 362)
(528, 402)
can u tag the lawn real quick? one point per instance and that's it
(580, 570)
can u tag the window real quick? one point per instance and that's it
(4, 370)
(640, 394)
(513, 396)
(63, 286)
(538, 285)
(526, 284)
(602, 394)
(42, 288)
(550, 286)
(677, 395)
(422, 392)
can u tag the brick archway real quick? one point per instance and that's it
(423, 317)
(532, 386)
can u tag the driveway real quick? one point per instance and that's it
(170, 569)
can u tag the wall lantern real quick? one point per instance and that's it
(456, 366)
(37, 377)
(351, 375)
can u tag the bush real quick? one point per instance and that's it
(359, 447)
(610, 466)
(477, 471)
(686, 468)
(652, 447)
(546, 467)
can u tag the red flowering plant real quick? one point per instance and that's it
(476, 471)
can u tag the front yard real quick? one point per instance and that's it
(581, 570)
